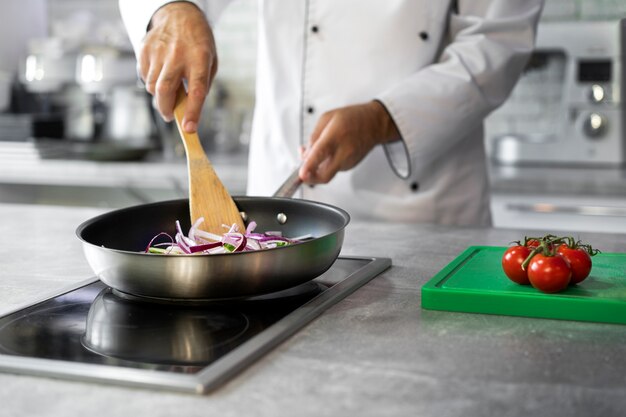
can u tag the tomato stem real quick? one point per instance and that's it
(549, 244)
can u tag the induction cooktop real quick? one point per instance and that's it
(94, 333)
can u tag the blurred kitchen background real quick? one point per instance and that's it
(77, 129)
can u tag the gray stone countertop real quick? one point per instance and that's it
(375, 353)
(559, 180)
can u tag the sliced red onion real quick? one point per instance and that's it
(194, 227)
(253, 245)
(184, 238)
(242, 244)
(251, 227)
(182, 244)
(200, 241)
(155, 238)
(206, 246)
(208, 236)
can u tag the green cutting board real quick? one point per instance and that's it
(475, 283)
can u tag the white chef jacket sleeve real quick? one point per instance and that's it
(136, 15)
(491, 41)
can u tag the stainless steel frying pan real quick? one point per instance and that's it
(114, 243)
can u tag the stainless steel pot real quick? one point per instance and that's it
(114, 245)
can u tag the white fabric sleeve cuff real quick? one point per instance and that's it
(397, 153)
(435, 107)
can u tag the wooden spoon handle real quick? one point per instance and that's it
(208, 198)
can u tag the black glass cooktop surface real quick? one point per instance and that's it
(94, 333)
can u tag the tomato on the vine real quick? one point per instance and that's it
(549, 273)
(532, 243)
(549, 263)
(512, 261)
(579, 260)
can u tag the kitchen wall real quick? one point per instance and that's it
(28, 19)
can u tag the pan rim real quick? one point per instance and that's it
(82, 226)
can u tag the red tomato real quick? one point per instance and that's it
(532, 243)
(579, 260)
(549, 273)
(512, 263)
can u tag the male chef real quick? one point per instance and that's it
(380, 103)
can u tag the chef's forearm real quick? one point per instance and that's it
(439, 104)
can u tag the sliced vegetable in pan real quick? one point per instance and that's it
(197, 241)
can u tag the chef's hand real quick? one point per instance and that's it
(343, 137)
(179, 44)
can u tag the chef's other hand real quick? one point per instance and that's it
(179, 44)
(343, 137)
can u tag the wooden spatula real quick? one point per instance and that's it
(208, 198)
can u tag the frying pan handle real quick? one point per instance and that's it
(289, 187)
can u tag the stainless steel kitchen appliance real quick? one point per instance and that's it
(92, 90)
(568, 108)
(93, 333)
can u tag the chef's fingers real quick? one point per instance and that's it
(198, 82)
(323, 166)
(150, 65)
(167, 85)
(320, 126)
(152, 56)
(320, 164)
(152, 76)
(143, 64)
(308, 166)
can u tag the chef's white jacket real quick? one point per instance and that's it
(438, 66)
